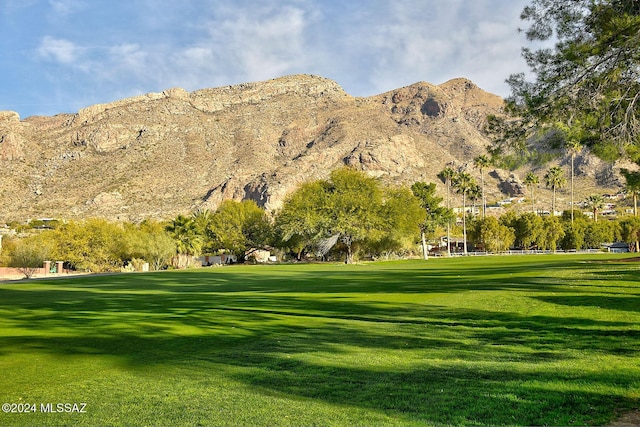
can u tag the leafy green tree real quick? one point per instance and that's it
(149, 241)
(597, 233)
(529, 230)
(240, 227)
(93, 245)
(553, 233)
(303, 219)
(531, 180)
(555, 179)
(495, 237)
(573, 234)
(351, 207)
(436, 215)
(355, 202)
(630, 231)
(590, 80)
(482, 162)
(28, 256)
(404, 218)
(464, 183)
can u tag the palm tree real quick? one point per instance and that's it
(573, 147)
(184, 231)
(464, 183)
(531, 180)
(482, 162)
(475, 194)
(632, 179)
(595, 202)
(554, 178)
(446, 175)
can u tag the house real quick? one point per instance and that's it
(617, 247)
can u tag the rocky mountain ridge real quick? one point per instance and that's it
(160, 154)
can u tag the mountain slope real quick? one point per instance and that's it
(172, 152)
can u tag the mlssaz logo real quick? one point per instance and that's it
(63, 407)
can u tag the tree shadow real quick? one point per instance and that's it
(298, 338)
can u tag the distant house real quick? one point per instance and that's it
(218, 259)
(617, 247)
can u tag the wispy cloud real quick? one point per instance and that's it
(58, 50)
(66, 7)
(100, 50)
(261, 42)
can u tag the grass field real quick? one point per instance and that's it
(520, 340)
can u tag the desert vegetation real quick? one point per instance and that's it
(350, 216)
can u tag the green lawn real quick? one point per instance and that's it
(519, 340)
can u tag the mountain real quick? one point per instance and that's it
(161, 154)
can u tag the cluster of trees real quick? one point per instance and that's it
(350, 213)
(529, 231)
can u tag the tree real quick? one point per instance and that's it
(574, 233)
(553, 233)
(531, 180)
(595, 202)
(302, 221)
(355, 202)
(436, 215)
(404, 219)
(481, 162)
(240, 227)
(463, 182)
(350, 207)
(28, 256)
(188, 240)
(149, 241)
(93, 245)
(554, 178)
(573, 147)
(590, 80)
(630, 231)
(632, 185)
(446, 175)
(597, 233)
(495, 237)
(529, 230)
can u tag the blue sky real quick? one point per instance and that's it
(62, 55)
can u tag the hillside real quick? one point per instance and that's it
(172, 152)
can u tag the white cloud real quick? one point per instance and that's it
(66, 7)
(58, 50)
(262, 42)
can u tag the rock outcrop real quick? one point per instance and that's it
(166, 153)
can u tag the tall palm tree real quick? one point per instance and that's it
(555, 179)
(573, 147)
(481, 162)
(531, 180)
(632, 185)
(464, 183)
(446, 175)
(596, 203)
(475, 194)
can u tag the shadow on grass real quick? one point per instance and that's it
(286, 334)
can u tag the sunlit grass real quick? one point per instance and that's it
(527, 340)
